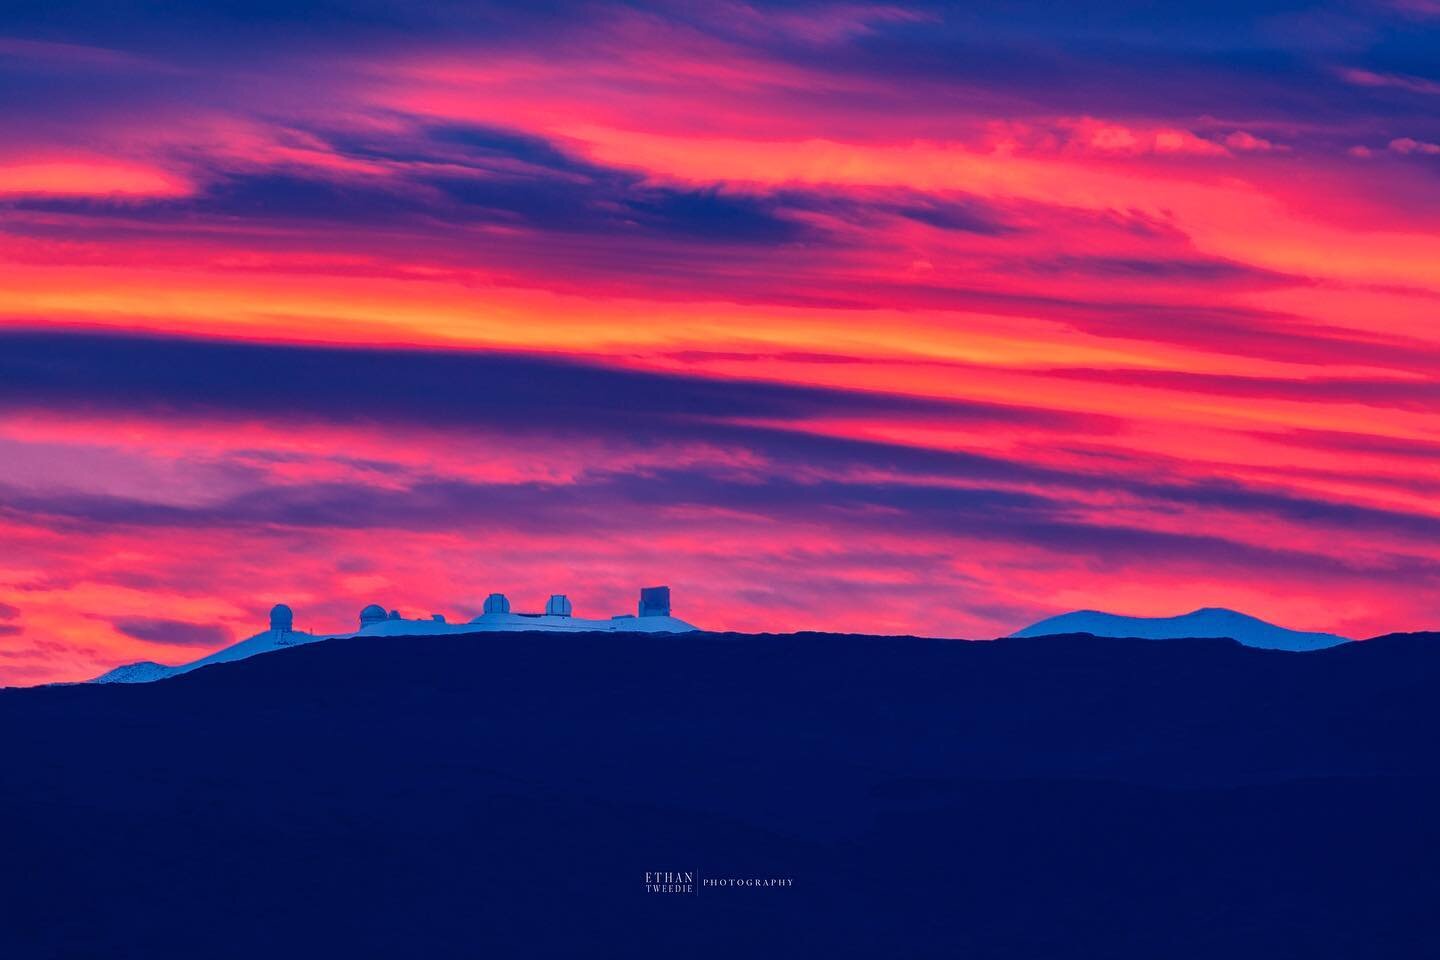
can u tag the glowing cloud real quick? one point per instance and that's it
(968, 315)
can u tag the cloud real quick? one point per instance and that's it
(785, 476)
(1420, 9)
(72, 54)
(1190, 268)
(679, 500)
(1363, 443)
(89, 178)
(1407, 145)
(1037, 299)
(1391, 392)
(1249, 143)
(8, 612)
(447, 179)
(1369, 78)
(456, 387)
(172, 632)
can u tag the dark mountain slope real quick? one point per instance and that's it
(505, 794)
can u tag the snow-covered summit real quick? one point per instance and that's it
(653, 617)
(142, 672)
(1205, 622)
(280, 635)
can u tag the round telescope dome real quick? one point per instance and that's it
(558, 606)
(374, 613)
(282, 618)
(497, 603)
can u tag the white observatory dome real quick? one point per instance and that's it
(374, 613)
(497, 603)
(558, 605)
(282, 618)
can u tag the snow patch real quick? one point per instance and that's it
(1205, 622)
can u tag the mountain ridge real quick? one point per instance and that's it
(1049, 796)
(1216, 622)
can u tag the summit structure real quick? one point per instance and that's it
(653, 616)
(496, 615)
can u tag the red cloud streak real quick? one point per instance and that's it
(823, 335)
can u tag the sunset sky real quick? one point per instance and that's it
(914, 318)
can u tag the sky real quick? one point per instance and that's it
(912, 318)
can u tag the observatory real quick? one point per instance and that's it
(375, 620)
(372, 614)
(654, 601)
(558, 614)
(282, 618)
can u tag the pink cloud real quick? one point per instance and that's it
(1369, 78)
(1408, 145)
(90, 177)
(1090, 133)
(1249, 143)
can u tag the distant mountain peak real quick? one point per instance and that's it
(142, 672)
(1204, 622)
(1221, 612)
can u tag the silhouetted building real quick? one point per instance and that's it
(654, 601)
(282, 618)
(374, 613)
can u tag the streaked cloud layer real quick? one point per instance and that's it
(930, 317)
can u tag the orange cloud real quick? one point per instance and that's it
(90, 178)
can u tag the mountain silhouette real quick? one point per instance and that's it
(454, 796)
(1205, 622)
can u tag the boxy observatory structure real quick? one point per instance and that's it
(652, 616)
